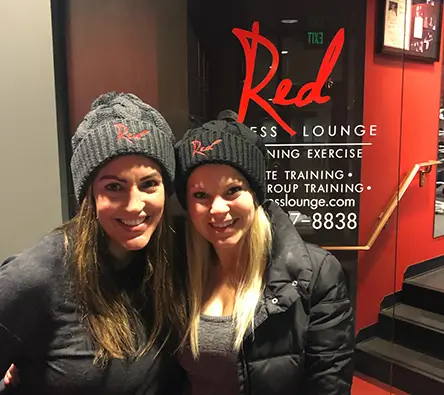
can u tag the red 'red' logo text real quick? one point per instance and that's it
(310, 92)
(123, 133)
(199, 149)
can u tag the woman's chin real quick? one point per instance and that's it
(136, 243)
(226, 243)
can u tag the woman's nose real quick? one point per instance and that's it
(135, 201)
(219, 206)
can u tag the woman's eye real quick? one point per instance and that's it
(200, 195)
(149, 184)
(234, 190)
(114, 186)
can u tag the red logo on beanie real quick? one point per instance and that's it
(200, 149)
(125, 134)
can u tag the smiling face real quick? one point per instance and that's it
(130, 198)
(220, 204)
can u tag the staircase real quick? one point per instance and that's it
(408, 349)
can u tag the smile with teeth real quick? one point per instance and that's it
(221, 225)
(132, 222)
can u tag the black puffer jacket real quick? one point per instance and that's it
(303, 339)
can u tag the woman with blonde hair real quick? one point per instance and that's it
(96, 306)
(269, 314)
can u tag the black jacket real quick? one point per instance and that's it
(303, 338)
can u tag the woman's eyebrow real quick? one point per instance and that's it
(111, 177)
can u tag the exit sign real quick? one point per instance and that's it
(315, 38)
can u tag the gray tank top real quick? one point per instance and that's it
(215, 372)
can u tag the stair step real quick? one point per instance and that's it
(400, 355)
(425, 291)
(433, 279)
(416, 316)
(404, 368)
(415, 328)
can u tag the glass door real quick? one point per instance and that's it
(311, 79)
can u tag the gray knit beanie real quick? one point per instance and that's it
(117, 125)
(223, 141)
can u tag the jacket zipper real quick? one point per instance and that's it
(245, 371)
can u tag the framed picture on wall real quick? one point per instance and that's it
(409, 28)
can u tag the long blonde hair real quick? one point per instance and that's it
(202, 258)
(118, 329)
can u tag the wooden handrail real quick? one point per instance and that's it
(387, 213)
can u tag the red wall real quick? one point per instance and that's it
(402, 99)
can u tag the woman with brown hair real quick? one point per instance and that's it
(95, 307)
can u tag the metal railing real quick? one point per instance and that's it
(423, 168)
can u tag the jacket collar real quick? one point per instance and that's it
(289, 269)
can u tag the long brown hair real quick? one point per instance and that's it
(116, 326)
